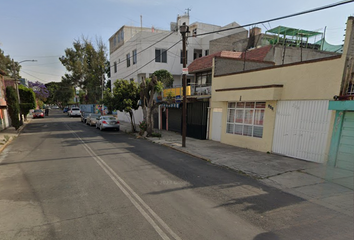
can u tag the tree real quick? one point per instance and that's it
(13, 107)
(28, 100)
(148, 88)
(125, 97)
(52, 88)
(86, 65)
(9, 66)
(64, 94)
(165, 77)
(40, 90)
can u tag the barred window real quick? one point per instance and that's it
(245, 118)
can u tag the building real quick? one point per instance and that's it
(136, 52)
(4, 118)
(288, 108)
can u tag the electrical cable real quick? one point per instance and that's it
(279, 18)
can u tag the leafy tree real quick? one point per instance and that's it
(86, 65)
(13, 107)
(64, 94)
(52, 88)
(9, 66)
(148, 88)
(109, 84)
(28, 100)
(125, 97)
(40, 90)
(165, 77)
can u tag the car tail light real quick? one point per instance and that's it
(104, 122)
(117, 121)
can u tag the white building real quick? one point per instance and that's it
(136, 52)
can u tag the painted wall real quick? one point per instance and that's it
(316, 80)
(307, 81)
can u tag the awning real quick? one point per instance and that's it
(172, 105)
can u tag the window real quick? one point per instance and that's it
(203, 79)
(161, 55)
(128, 60)
(135, 57)
(245, 118)
(182, 56)
(197, 53)
(115, 67)
(206, 52)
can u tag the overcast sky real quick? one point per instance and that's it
(43, 29)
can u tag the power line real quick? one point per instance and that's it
(279, 18)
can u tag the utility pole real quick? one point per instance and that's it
(102, 79)
(184, 29)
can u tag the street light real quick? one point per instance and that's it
(16, 81)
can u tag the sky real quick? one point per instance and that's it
(42, 29)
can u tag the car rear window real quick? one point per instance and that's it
(109, 118)
(76, 109)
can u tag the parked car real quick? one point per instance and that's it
(84, 116)
(74, 112)
(65, 110)
(107, 122)
(38, 113)
(92, 119)
(55, 107)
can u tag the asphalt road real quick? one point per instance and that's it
(61, 179)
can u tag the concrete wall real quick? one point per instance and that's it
(293, 54)
(227, 65)
(226, 43)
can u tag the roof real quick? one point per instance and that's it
(257, 54)
(206, 62)
(293, 32)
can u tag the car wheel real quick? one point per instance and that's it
(118, 129)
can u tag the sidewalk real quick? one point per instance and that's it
(8, 134)
(318, 183)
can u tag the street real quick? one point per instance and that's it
(62, 179)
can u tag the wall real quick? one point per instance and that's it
(316, 80)
(226, 43)
(307, 81)
(227, 65)
(293, 54)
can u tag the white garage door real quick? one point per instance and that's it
(301, 129)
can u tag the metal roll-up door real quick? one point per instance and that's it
(174, 120)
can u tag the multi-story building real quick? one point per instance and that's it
(137, 52)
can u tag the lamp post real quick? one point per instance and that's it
(184, 29)
(16, 81)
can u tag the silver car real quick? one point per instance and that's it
(92, 119)
(107, 122)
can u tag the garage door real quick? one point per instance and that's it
(301, 129)
(345, 154)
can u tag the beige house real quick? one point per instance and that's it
(282, 109)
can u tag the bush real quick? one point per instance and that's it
(13, 106)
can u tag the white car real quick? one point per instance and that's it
(74, 112)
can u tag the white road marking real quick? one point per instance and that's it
(130, 194)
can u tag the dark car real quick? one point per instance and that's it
(38, 113)
(65, 110)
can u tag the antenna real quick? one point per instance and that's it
(188, 10)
